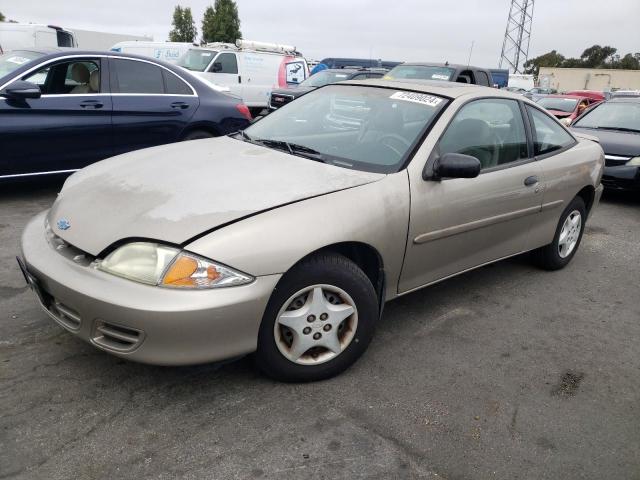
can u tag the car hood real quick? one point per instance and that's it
(295, 91)
(625, 144)
(560, 113)
(173, 193)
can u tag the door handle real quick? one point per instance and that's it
(180, 105)
(91, 104)
(531, 181)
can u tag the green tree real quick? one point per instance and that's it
(597, 56)
(221, 22)
(1, 17)
(184, 28)
(630, 62)
(551, 59)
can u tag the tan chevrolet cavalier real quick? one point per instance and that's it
(288, 238)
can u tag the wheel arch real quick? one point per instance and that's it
(588, 195)
(205, 127)
(365, 256)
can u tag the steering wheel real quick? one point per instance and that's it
(396, 143)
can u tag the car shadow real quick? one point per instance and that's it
(33, 188)
(621, 197)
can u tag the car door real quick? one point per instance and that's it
(459, 224)
(562, 168)
(225, 72)
(151, 104)
(65, 129)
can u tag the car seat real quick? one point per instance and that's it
(473, 137)
(80, 74)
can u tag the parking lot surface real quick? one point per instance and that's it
(505, 372)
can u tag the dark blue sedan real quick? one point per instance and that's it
(63, 110)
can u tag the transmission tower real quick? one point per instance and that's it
(515, 48)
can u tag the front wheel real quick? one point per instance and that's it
(319, 320)
(567, 239)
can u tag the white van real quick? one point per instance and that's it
(519, 80)
(16, 36)
(167, 51)
(250, 69)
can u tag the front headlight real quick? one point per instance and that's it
(634, 162)
(164, 266)
(566, 121)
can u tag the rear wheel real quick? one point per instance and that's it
(567, 239)
(319, 320)
(197, 134)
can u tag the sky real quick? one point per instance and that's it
(401, 30)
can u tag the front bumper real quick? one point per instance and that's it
(622, 177)
(140, 322)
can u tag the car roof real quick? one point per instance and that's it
(624, 100)
(436, 64)
(356, 70)
(438, 87)
(561, 95)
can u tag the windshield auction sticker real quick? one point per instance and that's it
(422, 98)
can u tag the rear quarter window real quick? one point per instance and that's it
(175, 86)
(548, 136)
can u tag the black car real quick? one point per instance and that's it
(446, 72)
(283, 96)
(62, 110)
(616, 123)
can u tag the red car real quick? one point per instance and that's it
(592, 94)
(566, 108)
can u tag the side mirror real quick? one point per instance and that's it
(456, 165)
(217, 67)
(22, 90)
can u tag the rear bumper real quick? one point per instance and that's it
(141, 322)
(623, 177)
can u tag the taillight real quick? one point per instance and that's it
(244, 110)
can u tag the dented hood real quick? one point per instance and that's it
(175, 192)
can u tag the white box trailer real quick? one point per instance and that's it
(520, 80)
(92, 40)
(16, 36)
(250, 69)
(167, 51)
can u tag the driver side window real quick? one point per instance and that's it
(68, 77)
(491, 130)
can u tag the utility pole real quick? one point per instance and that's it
(515, 47)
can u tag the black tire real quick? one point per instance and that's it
(197, 135)
(548, 257)
(328, 269)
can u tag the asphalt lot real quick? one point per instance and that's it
(505, 372)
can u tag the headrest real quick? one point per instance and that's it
(94, 81)
(80, 73)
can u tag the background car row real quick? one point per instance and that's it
(60, 111)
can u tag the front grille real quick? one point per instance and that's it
(278, 99)
(116, 337)
(67, 250)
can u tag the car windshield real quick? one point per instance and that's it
(614, 116)
(566, 105)
(196, 59)
(364, 128)
(13, 60)
(323, 78)
(421, 72)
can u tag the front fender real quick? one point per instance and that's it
(376, 214)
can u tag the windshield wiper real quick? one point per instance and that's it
(292, 148)
(619, 129)
(245, 136)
